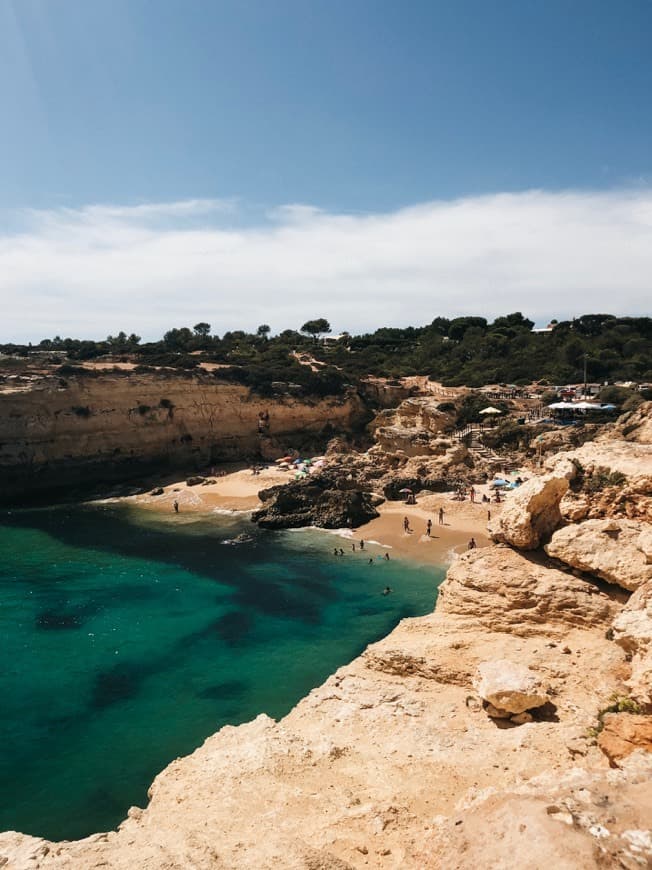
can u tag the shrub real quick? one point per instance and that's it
(618, 704)
(602, 478)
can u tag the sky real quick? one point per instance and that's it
(377, 163)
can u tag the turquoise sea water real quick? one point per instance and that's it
(127, 638)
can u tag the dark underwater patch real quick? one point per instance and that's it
(119, 683)
(233, 628)
(227, 691)
(58, 620)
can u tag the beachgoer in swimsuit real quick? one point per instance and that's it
(175, 505)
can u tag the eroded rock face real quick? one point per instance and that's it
(501, 590)
(316, 501)
(613, 549)
(631, 498)
(624, 733)
(637, 425)
(510, 687)
(532, 513)
(632, 630)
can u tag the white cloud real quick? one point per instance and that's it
(95, 270)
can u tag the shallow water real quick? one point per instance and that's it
(127, 638)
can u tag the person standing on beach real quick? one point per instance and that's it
(362, 545)
(353, 546)
(472, 495)
(472, 544)
(175, 505)
(387, 557)
(441, 516)
(428, 527)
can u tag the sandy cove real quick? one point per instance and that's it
(238, 490)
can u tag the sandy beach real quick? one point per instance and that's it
(238, 491)
(234, 491)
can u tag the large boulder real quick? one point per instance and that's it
(503, 591)
(615, 550)
(632, 630)
(531, 514)
(510, 687)
(316, 501)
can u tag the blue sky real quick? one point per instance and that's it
(355, 108)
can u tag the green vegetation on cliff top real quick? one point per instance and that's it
(462, 351)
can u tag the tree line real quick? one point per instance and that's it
(459, 351)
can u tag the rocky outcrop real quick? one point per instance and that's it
(632, 630)
(615, 480)
(613, 549)
(503, 591)
(636, 425)
(90, 429)
(317, 501)
(583, 819)
(509, 687)
(532, 513)
(624, 733)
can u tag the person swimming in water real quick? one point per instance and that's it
(387, 590)
(386, 557)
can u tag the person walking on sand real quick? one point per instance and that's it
(441, 516)
(472, 495)
(428, 527)
(175, 505)
(472, 544)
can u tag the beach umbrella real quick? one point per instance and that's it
(491, 410)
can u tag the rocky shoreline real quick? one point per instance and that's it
(512, 724)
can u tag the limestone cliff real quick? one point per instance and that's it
(113, 426)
